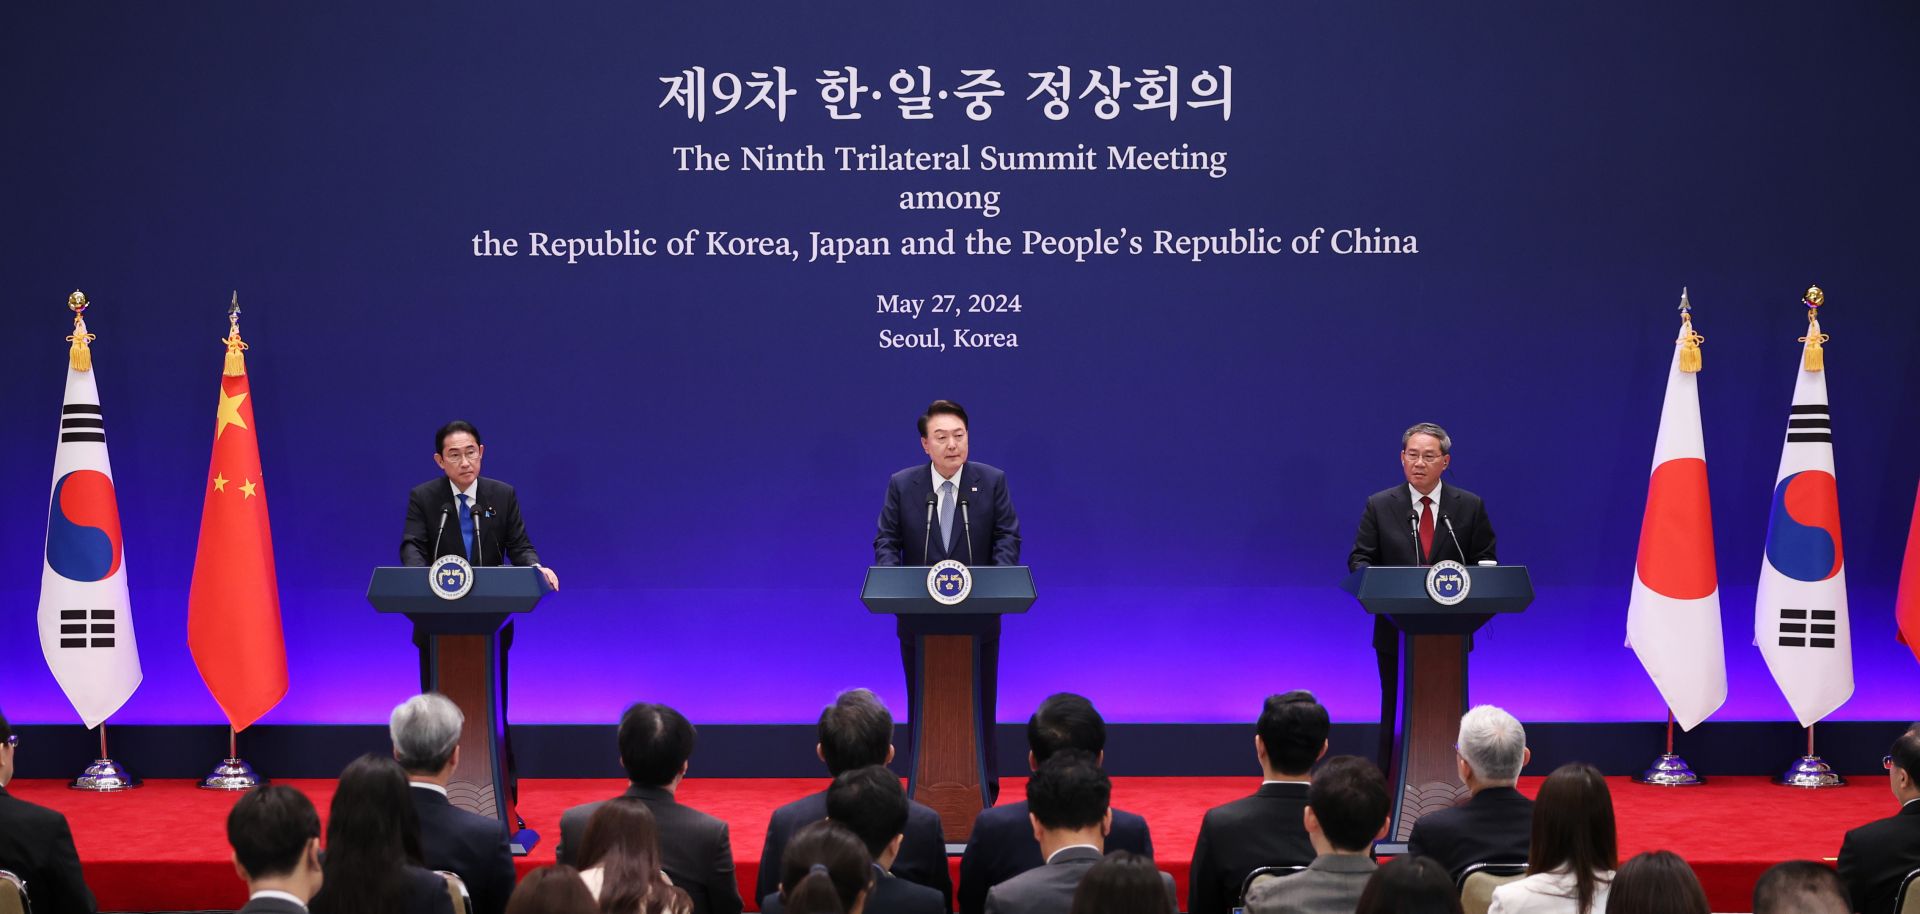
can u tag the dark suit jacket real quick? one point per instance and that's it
(274, 906)
(426, 893)
(1002, 847)
(468, 845)
(695, 850)
(1876, 856)
(37, 846)
(990, 517)
(923, 853)
(1049, 888)
(890, 895)
(1386, 537)
(499, 533)
(1266, 829)
(1492, 826)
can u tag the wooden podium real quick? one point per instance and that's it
(1433, 675)
(948, 726)
(463, 663)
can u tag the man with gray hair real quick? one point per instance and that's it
(426, 742)
(1496, 821)
(1420, 523)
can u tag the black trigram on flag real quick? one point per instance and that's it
(1795, 628)
(86, 628)
(82, 422)
(1810, 422)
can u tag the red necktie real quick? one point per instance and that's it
(1426, 530)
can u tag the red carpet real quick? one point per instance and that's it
(163, 847)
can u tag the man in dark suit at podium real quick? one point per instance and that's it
(1419, 523)
(426, 742)
(1268, 828)
(950, 508)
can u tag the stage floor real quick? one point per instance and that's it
(163, 847)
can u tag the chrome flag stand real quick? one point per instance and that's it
(1670, 770)
(1810, 771)
(105, 774)
(233, 772)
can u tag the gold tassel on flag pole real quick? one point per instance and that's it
(236, 347)
(1816, 358)
(1689, 341)
(80, 357)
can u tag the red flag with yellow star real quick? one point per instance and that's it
(233, 610)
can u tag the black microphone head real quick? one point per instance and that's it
(932, 498)
(963, 501)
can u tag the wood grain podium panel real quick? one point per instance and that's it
(948, 775)
(463, 670)
(1433, 696)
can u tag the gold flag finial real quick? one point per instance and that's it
(79, 356)
(1815, 358)
(236, 360)
(1689, 341)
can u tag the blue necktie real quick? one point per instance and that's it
(946, 514)
(466, 523)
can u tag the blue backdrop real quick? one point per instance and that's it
(701, 442)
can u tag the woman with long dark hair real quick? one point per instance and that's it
(620, 861)
(1573, 854)
(1657, 882)
(372, 863)
(1410, 885)
(555, 889)
(1122, 883)
(825, 870)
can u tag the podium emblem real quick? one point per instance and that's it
(450, 577)
(1448, 582)
(949, 582)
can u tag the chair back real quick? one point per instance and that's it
(457, 890)
(1907, 901)
(1259, 874)
(1478, 881)
(13, 894)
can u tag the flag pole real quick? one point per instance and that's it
(233, 772)
(105, 775)
(1669, 770)
(1810, 770)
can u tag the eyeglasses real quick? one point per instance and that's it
(14, 740)
(1414, 457)
(1886, 761)
(470, 455)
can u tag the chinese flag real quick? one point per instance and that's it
(1907, 604)
(233, 610)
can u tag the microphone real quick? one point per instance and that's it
(928, 538)
(1413, 530)
(966, 528)
(479, 536)
(436, 533)
(1448, 521)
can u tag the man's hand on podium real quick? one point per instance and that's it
(553, 580)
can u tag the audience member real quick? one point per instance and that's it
(1266, 828)
(1410, 885)
(1572, 857)
(1122, 883)
(1001, 845)
(620, 860)
(372, 864)
(856, 731)
(825, 870)
(555, 889)
(1069, 808)
(37, 845)
(1875, 857)
(425, 730)
(871, 803)
(1656, 882)
(696, 853)
(1346, 813)
(1493, 825)
(1800, 887)
(275, 834)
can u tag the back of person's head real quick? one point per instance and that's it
(1065, 721)
(373, 834)
(1906, 754)
(1348, 797)
(1122, 883)
(1493, 744)
(1656, 882)
(1069, 792)
(824, 869)
(1573, 828)
(553, 889)
(425, 730)
(855, 731)
(1800, 887)
(271, 829)
(871, 803)
(1410, 885)
(1293, 727)
(655, 743)
(623, 840)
